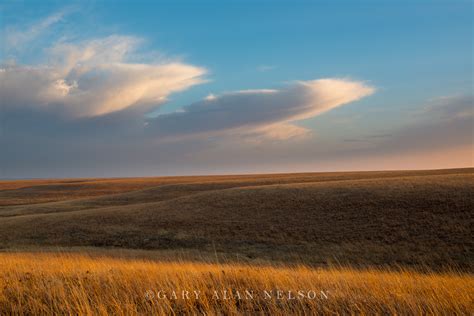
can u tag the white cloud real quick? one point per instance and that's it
(267, 112)
(94, 78)
(210, 97)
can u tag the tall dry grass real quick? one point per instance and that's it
(84, 284)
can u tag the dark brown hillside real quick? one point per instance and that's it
(391, 218)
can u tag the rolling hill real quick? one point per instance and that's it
(393, 218)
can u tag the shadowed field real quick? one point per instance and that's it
(409, 218)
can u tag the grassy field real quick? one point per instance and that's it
(413, 218)
(72, 284)
(364, 242)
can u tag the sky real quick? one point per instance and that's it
(150, 88)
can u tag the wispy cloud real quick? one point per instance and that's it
(16, 38)
(379, 136)
(265, 68)
(450, 107)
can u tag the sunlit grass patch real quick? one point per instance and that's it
(74, 283)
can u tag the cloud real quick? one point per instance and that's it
(267, 112)
(16, 39)
(265, 68)
(430, 140)
(445, 122)
(94, 78)
(450, 107)
(379, 135)
(279, 132)
(42, 144)
(83, 111)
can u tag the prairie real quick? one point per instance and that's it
(409, 218)
(87, 284)
(388, 242)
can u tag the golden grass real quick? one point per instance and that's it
(88, 284)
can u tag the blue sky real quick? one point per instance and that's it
(412, 53)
